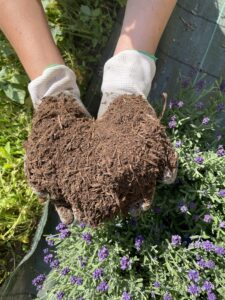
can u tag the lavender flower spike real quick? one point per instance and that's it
(103, 287)
(175, 240)
(126, 296)
(103, 253)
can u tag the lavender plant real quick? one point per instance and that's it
(174, 251)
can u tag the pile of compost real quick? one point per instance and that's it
(98, 168)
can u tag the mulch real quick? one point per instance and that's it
(100, 168)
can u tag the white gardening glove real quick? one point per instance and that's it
(129, 72)
(53, 81)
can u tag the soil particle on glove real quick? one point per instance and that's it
(100, 168)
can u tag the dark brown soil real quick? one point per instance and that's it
(100, 168)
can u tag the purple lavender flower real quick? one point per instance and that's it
(46, 251)
(98, 273)
(222, 224)
(82, 225)
(65, 271)
(207, 286)
(103, 287)
(220, 151)
(199, 85)
(39, 287)
(183, 208)
(178, 144)
(172, 123)
(60, 295)
(199, 160)
(126, 296)
(193, 289)
(219, 250)
(64, 233)
(205, 120)
(79, 281)
(197, 244)
(207, 245)
(208, 218)
(193, 275)
(103, 253)
(167, 296)
(199, 105)
(38, 281)
(125, 263)
(201, 263)
(49, 241)
(185, 83)
(220, 107)
(76, 280)
(87, 237)
(175, 103)
(54, 264)
(156, 284)
(175, 240)
(180, 104)
(222, 86)
(172, 104)
(211, 296)
(61, 226)
(221, 193)
(138, 242)
(209, 264)
(73, 279)
(48, 258)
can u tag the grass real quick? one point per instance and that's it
(19, 209)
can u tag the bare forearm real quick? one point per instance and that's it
(143, 24)
(25, 26)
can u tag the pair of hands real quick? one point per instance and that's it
(129, 72)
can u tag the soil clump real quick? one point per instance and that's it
(99, 168)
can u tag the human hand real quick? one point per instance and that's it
(42, 178)
(130, 74)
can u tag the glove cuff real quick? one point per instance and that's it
(54, 80)
(129, 72)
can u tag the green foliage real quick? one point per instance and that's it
(19, 209)
(191, 209)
